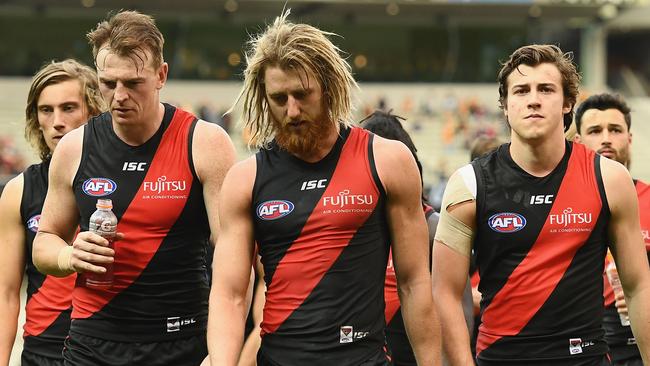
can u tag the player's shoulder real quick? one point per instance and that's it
(390, 154)
(67, 155)
(618, 184)
(464, 175)
(71, 142)
(239, 181)
(211, 135)
(612, 170)
(382, 144)
(12, 194)
(212, 149)
(244, 169)
(14, 186)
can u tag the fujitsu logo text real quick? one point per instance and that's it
(568, 217)
(162, 185)
(344, 198)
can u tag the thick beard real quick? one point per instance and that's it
(304, 142)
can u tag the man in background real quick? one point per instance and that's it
(62, 96)
(603, 124)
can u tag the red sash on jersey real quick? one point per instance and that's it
(145, 222)
(44, 307)
(535, 278)
(322, 239)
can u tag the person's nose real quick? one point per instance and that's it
(58, 119)
(121, 94)
(534, 101)
(606, 138)
(293, 107)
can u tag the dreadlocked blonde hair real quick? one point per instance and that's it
(299, 47)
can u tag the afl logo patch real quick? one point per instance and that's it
(32, 223)
(275, 209)
(506, 222)
(98, 187)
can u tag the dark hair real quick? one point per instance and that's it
(388, 126)
(603, 102)
(533, 55)
(483, 145)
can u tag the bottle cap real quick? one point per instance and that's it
(104, 203)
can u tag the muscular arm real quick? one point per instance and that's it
(409, 237)
(233, 258)
(59, 220)
(248, 355)
(629, 250)
(59, 215)
(467, 299)
(12, 264)
(450, 269)
(213, 154)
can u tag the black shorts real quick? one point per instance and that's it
(82, 350)
(629, 362)
(31, 359)
(378, 359)
(583, 361)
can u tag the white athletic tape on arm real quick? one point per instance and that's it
(452, 232)
(64, 259)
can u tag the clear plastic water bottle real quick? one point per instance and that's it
(103, 222)
(615, 282)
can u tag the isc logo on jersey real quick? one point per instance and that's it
(98, 187)
(274, 209)
(32, 223)
(506, 222)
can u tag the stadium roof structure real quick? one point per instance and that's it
(362, 11)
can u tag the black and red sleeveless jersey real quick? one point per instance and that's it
(540, 247)
(620, 339)
(160, 289)
(323, 239)
(49, 298)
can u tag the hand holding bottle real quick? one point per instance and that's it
(614, 280)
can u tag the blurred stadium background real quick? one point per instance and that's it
(433, 62)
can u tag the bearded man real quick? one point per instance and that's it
(324, 201)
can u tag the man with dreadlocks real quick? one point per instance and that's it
(322, 199)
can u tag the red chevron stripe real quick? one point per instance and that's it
(391, 297)
(323, 237)
(539, 273)
(45, 305)
(145, 222)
